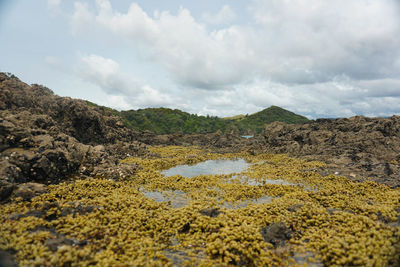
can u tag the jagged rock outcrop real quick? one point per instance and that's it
(358, 147)
(218, 140)
(88, 124)
(46, 138)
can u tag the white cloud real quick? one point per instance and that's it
(121, 87)
(151, 97)
(106, 74)
(321, 58)
(117, 102)
(225, 16)
(183, 46)
(82, 18)
(295, 42)
(357, 37)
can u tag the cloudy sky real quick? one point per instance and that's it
(318, 58)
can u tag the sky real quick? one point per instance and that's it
(320, 59)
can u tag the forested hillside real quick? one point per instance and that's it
(255, 122)
(166, 121)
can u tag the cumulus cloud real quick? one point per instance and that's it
(224, 16)
(82, 18)
(320, 58)
(294, 42)
(182, 45)
(357, 38)
(106, 74)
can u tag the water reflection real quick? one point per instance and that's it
(175, 198)
(209, 167)
(303, 259)
(244, 180)
(245, 203)
(179, 199)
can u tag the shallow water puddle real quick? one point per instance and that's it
(303, 258)
(209, 167)
(178, 199)
(175, 198)
(180, 257)
(217, 167)
(245, 203)
(244, 180)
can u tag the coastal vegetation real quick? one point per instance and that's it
(168, 121)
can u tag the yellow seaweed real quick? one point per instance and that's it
(340, 221)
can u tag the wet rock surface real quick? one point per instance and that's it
(7, 259)
(276, 234)
(27, 191)
(58, 240)
(210, 212)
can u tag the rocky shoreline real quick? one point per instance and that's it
(45, 139)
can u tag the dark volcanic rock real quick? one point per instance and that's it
(276, 234)
(6, 190)
(7, 259)
(359, 147)
(87, 124)
(58, 240)
(210, 212)
(46, 138)
(227, 142)
(29, 190)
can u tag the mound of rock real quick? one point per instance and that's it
(228, 142)
(358, 147)
(87, 124)
(46, 138)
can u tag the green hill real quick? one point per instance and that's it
(166, 121)
(255, 122)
